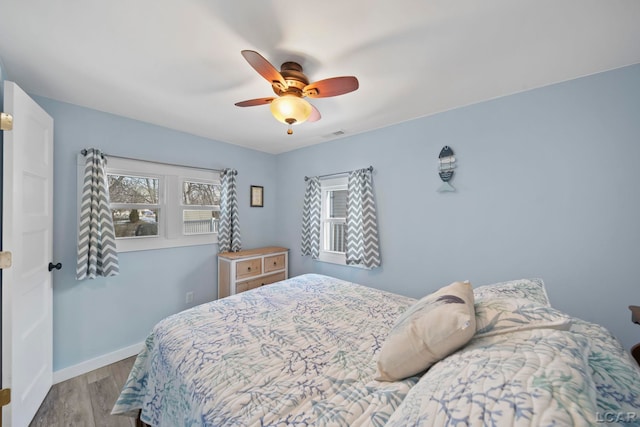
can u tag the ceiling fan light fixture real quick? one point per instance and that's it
(290, 109)
(292, 85)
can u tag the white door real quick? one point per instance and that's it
(27, 231)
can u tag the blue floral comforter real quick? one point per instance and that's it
(299, 352)
(302, 352)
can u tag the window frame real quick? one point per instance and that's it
(184, 207)
(141, 206)
(327, 186)
(170, 201)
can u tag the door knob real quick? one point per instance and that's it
(57, 266)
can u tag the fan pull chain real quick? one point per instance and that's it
(289, 131)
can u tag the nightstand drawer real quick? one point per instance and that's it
(248, 285)
(248, 268)
(256, 283)
(273, 263)
(274, 278)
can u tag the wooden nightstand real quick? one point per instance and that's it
(635, 318)
(250, 269)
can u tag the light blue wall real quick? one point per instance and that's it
(547, 186)
(96, 317)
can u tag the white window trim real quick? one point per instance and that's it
(170, 226)
(328, 185)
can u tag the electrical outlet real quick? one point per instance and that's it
(189, 297)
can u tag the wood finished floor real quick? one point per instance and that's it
(87, 400)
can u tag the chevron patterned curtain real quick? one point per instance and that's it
(311, 218)
(362, 224)
(229, 230)
(97, 254)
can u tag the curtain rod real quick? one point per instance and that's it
(84, 153)
(306, 178)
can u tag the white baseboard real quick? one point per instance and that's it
(95, 363)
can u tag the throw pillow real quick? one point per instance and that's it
(428, 331)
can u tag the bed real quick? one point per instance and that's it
(307, 351)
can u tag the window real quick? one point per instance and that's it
(135, 206)
(201, 207)
(157, 206)
(333, 220)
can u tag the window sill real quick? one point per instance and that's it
(329, 261)
(151, 243)
(333, 258)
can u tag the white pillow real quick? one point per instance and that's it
(531, 289)
(504, 315)
(428, 331)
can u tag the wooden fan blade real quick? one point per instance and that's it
(331, 87)
(264, 68)
(315, 114)
(253, 102)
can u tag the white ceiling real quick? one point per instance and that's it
(178, 64)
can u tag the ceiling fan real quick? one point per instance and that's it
(292, 86)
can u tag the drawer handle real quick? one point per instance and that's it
(262, 284)
(275, 263)
(248, 268)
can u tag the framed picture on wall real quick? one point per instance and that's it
(257, 196)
